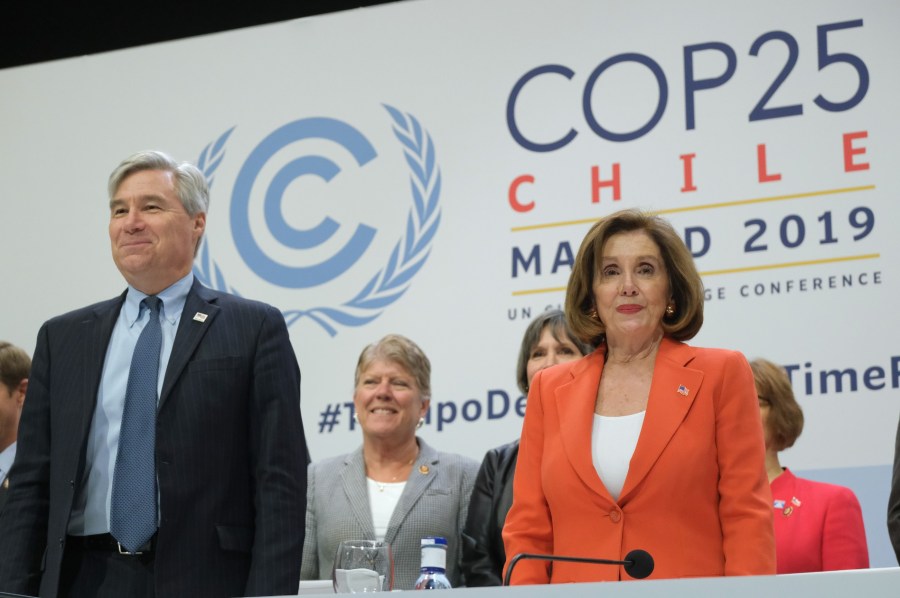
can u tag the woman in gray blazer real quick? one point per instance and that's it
(395, 487)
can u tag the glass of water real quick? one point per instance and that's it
(362, 566)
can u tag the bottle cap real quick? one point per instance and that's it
(434, 552)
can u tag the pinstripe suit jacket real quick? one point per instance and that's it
(230, 451)
(434, 503)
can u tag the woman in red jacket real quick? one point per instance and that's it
(818, 527)
(647, 443)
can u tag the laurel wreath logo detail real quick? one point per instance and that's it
(205, 269)
(408, 256)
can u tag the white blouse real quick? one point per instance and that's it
(383, 499)
(612, 446)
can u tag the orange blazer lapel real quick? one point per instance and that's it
(575, 405)
(672, 393)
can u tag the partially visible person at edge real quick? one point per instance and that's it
(547, 341)
(170, 463)
(395, 487)
(646, 443)
(893, 510)
(818, 526)
(14, 367)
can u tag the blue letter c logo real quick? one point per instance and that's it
(297, 277)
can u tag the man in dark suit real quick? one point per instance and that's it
(14, 366)
(227, 460)
(893, 518)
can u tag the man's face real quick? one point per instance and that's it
(152, 236)
(10, 408)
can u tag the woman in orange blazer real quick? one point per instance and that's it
(646, 443)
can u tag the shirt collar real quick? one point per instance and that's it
(173, 300)
(7, 456)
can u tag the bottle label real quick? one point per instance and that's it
(434, 556)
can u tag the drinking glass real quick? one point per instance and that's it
(362, 566)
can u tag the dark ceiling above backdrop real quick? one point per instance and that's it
(32, 32)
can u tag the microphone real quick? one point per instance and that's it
(638, 563)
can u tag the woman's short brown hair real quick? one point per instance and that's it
(402, 351)
(684, 279)
(785, 419)
(555, 320)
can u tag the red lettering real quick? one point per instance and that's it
(688, 160)
(762, 166)
(514, 202)
(597, 183)
(850, 151)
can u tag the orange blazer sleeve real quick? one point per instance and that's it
(745, 499)
(528, 526)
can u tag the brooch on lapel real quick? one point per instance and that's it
(683, 390)
(199, 317)
(787, 510)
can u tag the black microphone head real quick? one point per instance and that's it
(638, 564)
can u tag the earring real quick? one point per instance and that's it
(421, 423)
(670, 309)
(593, 314)
(356, 417)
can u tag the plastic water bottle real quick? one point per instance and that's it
(434, 565)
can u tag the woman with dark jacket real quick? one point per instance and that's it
(547, 341)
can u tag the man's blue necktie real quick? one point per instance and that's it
(133, 515)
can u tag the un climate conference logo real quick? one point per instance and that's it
(389, 282)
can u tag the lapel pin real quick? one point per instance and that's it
(199, 317)
(683, 390)
(6, 484)
(423, 469)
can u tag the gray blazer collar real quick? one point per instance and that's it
(353, 477)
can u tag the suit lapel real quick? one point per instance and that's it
(353, 479)
(423, 473)
(575, 404)
(96, 332)
(190, 332)
(4, 489)
(671, 396)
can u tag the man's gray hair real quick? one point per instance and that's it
(190, 184)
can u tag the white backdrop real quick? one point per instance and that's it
(481, 139)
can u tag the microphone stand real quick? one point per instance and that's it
(638, 563)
